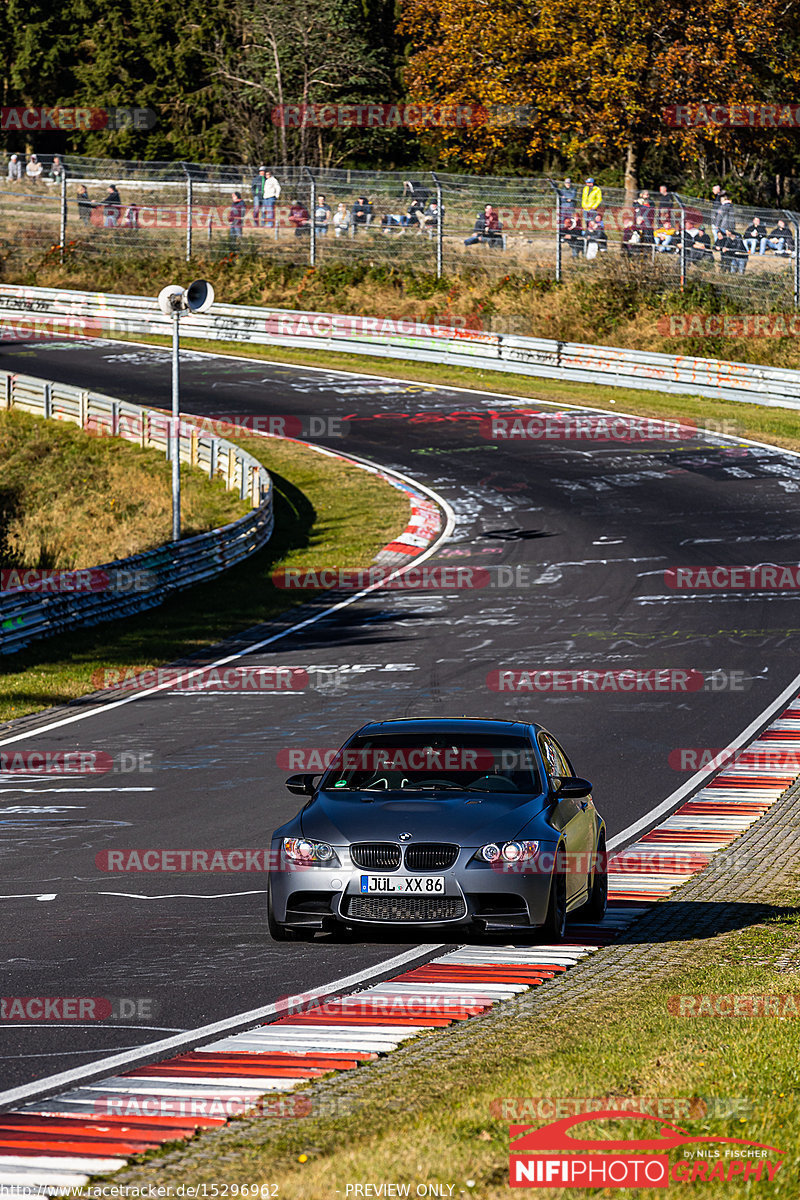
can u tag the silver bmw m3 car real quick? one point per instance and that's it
(464, 824)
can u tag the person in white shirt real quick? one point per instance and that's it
(33, 169)
(269, 194)
(341, 220)
(14, 169)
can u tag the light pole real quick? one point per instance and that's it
(173, 300)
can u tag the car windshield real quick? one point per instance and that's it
(434, 763)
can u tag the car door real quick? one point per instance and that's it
(571, 817)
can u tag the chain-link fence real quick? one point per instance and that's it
(434, 222)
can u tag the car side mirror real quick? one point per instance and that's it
(573, 789)
(301, 785)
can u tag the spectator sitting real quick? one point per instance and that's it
(341, 221)
(322, 216)
(755, 236)
(429, 219)
(591, 199)
(733, 253)
(362, 213)
(131, 218)
(392, 223)
(414, 216)
(665, 235)
(698, 246)
(596, 239)
(85, 205)
(487, 229)
(14, 169)
(111, 207)
(572, 234)
(33, 169)
(298, 216)
(631, 239)
(781, 239)
(57, 171)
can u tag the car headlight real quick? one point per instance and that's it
(302, 852)
(509, 852)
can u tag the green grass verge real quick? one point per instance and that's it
(439, 1122)
(325, 512)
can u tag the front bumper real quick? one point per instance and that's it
(318, 898)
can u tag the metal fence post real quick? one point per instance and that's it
(439, 225)
(63, 217)
(558, 230)
(683, 240)
(312, 245)
(188, 215)
(796, 256)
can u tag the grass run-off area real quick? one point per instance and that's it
(441, 1119)
(326, 512)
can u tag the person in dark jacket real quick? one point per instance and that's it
(596, 239)
(732, 252)
(569, 198)
(666, 202)
(698, 246)
(85, 205)
(572, 234)
(299, 217)
(236, 220)
(487, 229)
(725, 219)
(781, 239)
(362, 213)
(644, 213)
(755, 237)
(111, 207)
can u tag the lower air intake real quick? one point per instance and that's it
(406, 908)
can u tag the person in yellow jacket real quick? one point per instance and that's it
(591, 199)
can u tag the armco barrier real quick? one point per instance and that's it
(143, 581)
(46, 312)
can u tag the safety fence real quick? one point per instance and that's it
(38, 603)
(29, 313)
(186, 209)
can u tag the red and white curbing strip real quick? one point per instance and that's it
(94, 1129)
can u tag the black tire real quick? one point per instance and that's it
(555, 923)
(595, 907)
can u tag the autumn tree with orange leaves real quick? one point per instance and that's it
(599, 75)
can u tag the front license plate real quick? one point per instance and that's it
(424, 885)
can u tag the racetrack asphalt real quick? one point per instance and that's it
(593, 526)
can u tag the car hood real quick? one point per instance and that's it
(462, 817)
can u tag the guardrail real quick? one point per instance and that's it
(48, 312)
(46, 603)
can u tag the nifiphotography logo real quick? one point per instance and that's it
(548, 1156)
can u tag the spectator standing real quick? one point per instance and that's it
(724, 220)
(33, 169)
(257, 188)
(644, 213)
(85, 205)
(236, 220)
(111, 207)
(270, 194)
(322, 216)
(487, 229)
(341, 221)
(299, 217)
(569, 198)
(591, 199)
(666, 202)
(14, 169)
(716, 201)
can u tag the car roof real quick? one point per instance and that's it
(437, 725)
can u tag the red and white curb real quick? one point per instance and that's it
(95, 1128)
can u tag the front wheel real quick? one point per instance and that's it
(555, 923)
